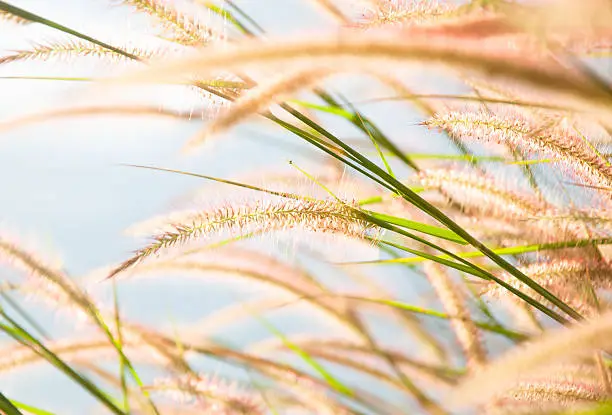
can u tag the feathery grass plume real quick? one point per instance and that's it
(549, 397)
(334, 349)
(71, 49)
(312, 395)
(50, 295)
(478, 193)
(162, 223)
(211, 394)
(250, 263)
(581, 122)
(565, 389)
(359, 51)
(571, 280)
(77, 350)
(10, 17)
(559, 345)
(599, 221)
(484, 199)
(225, 316)
(404, 13)
(523, 134)
(357, 364)
(451, 298)
(309, 215)
(181, 28)
(127, 111)
(262, 269)
(260, 98)
(27, 261)
(563, 21)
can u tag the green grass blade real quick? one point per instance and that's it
(315, 181)
(309, 360)
(324, 108)
(420, 227)
(7, 407)
(245, 16)
(432, 211)
(31, 409)
(604, 408)
(482, 272)
(226, 15)
(22, 336)
(381, 154)
(24, 314)
(371, 129)
(498, 329)
(38, 19)
(126, 362)
(122, 363)
(512, 250)
(216, 179)
(425, 256)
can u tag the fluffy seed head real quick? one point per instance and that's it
(403, 13)
(523, 134)
(71, 49)
(212, 394)
(560, 345)
(477, 192)
(569, 279)
(310, 215)
(9, 17)
(182, 28)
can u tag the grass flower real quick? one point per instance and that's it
(309, 215)
(211, 394)
(403, 13)
(451, 298)
(71, 49)
(9, 17)
(478, 193)
(571, 280)
(524, 135)
(561, 345)
(259, 99)
(181, 28)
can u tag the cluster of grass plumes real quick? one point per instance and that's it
(508, 220)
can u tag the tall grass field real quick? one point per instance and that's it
(305, 207)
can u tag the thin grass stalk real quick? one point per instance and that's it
(435, 213)
(7, 407)
(564, 344)
(24, 14)
(22, 336)
(480, 271)
(419, 395)
(355, 50)
(462, 324)
(272, 369)
(73, 293)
